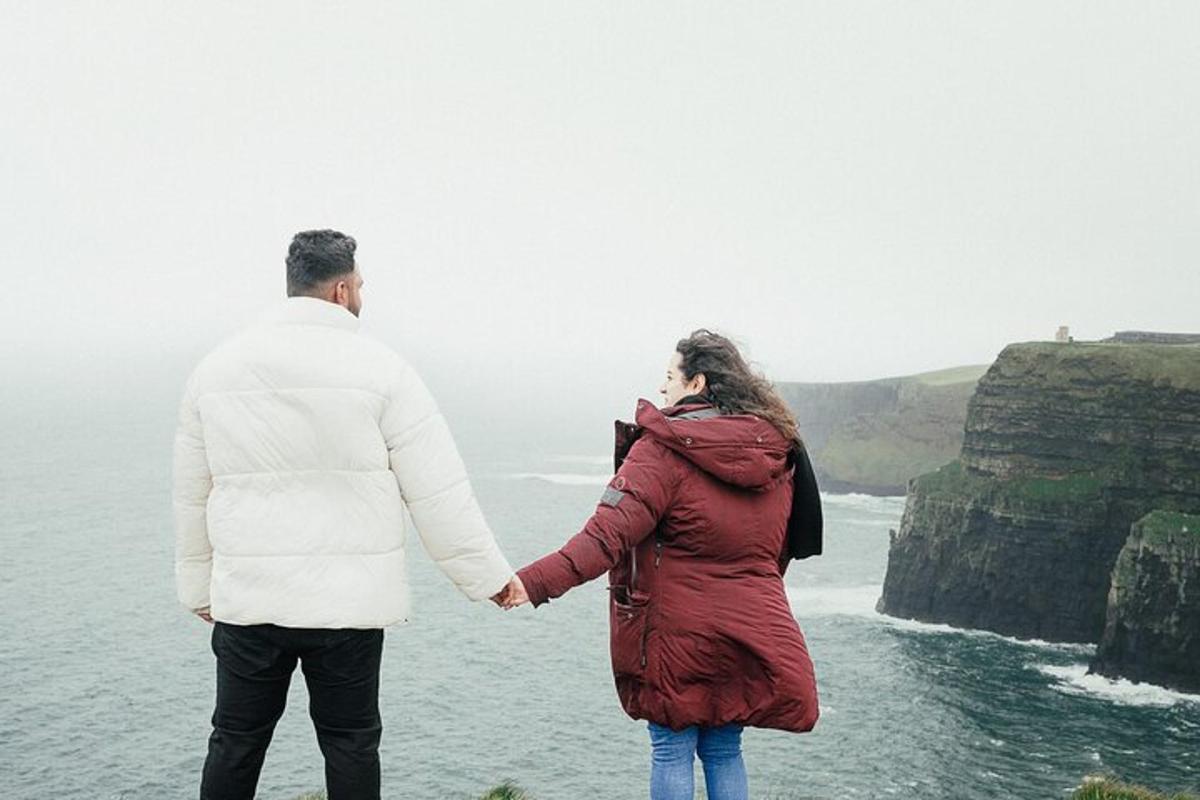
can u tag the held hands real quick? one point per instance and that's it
(512, 595)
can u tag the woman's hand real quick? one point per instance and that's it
(512, 595)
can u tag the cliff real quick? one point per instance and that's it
(1065, 447)
(873, 436)
(1155, 337)
(1152, 632)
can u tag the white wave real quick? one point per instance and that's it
(859, 601)
(862, 522)
(565, 478)
(829, 601)
(940, 627)
(887, 504)
(1075, 680)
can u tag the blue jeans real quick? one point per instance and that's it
(674, 752)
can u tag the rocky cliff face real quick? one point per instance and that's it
(873, 436)
(1065, 446)
(1152, 632)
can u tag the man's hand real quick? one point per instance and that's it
(203, 614)
(511, 595)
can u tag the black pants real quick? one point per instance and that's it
(254, 667)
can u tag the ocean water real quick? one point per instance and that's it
(106, 685)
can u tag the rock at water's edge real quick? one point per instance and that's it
(1152, 633)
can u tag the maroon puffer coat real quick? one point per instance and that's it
(691, 530)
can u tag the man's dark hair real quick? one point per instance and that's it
(316, 257)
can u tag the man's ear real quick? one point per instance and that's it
(341, 293)
(701, 382)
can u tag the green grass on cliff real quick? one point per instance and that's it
(945, 377)
(875, 435)
(1093, 788)
(882, 453)
(1176, 365)
(954, 479)
(1159, 527)
(951, 479)
(1104, 788)
(1071, 488)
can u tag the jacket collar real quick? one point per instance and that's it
(311, 311)
(693, 400)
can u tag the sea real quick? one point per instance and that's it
(107, 684)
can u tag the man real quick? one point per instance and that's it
(298, 440)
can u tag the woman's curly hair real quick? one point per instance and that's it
(730, 384)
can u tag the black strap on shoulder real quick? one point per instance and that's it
(626, 434)
(806, 523)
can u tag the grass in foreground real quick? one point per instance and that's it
(1096, 787)
(505, 791)
(1104, 788)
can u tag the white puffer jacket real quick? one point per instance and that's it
(300, 441)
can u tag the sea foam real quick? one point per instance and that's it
(829, 601)
(879, 504)
(859, 601)
(1075, 680)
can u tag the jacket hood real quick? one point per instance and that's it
(738, 449)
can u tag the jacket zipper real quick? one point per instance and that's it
(646, 630)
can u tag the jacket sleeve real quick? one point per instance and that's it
(433, 482)
(632, 505)
(192, 483)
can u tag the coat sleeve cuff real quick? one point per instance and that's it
(535, 585)
(499, 574)
(192, 583)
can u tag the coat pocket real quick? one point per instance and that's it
(627, 630)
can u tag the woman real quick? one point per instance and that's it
(693, 532)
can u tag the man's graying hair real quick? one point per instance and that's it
(316, 257)
(730, 384)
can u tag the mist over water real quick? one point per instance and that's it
(546, 197)
(106, 685)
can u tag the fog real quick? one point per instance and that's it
(547, 196)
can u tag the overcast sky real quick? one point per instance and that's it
(547, 195)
